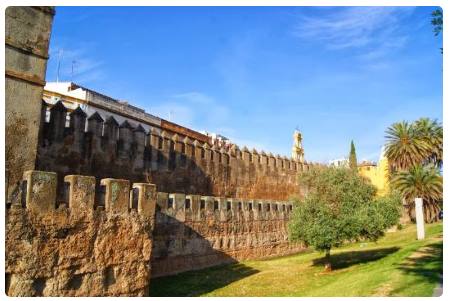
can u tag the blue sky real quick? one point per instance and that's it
(254, 74)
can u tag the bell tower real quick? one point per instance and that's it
(297, 149)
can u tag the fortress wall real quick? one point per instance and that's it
(89, 145)
(92, 243)
(80, 249)
(194, 232)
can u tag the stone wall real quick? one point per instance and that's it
(194, 232)
(27, 34)
(79, 249)
(111, 243)
(90, 145)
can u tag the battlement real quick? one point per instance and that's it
(39, 194)
(96, 247)
(183, 208)
(108, 130)
(99, 145)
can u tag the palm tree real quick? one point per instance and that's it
(404, 146)
(420, 182)
(431, 131)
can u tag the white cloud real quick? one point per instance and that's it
(377, 30)
(193, 109)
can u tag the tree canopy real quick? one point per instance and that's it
(415, 154)
(409, 144)
(421, 182)
(340, 206)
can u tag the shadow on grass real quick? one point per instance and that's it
(197, 283)
(346, 259)
(425, 263)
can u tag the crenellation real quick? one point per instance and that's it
(57, 124)
(117, 195)
(110, 136)
(40, 193)
(95, 124)
(146, 199)
(81, 193)
(77, 129)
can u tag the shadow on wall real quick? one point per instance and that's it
(195, 283)
(74, 143)
(347, 259)
(104, 149)
(195, 232)
(177, 247)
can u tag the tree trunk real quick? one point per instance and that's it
(327, 261)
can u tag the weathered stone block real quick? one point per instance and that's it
(116, 194)
(161, 200)
(178, 205)
(147, 197)
(41, 191)
(81, 193)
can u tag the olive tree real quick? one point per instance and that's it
(340, 206)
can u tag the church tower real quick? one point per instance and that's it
(297, 149)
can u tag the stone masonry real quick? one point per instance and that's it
(79, 250)
(91, 145)
(193, 232)
(27, 35)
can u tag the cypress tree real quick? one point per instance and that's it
(353, 163)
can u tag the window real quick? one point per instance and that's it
(187, 204)
(250, 206)
(216, 205)
(202, 153)
(267, 207)
(170, 203)
(228, 206)
(290, 207)
(284, 207)
(240, 206)
(160, 142)
(183, 148)
(259, 207)
(202, 204)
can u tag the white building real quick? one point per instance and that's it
(341, 162)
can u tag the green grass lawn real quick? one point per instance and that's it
(396, 265)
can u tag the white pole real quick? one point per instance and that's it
(419, 219)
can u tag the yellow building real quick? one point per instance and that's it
(377, 173)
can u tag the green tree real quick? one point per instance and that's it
(404, 148)
(420, 182)
(340, 206)
(431, 132)
(410, 144)
(437, 23)
(415, 153)
(353, 163)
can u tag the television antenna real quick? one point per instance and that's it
(60, 55)
(73, 65)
